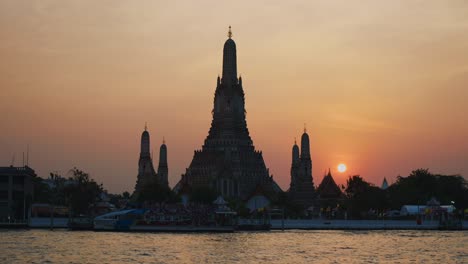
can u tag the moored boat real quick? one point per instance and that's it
(149, 220)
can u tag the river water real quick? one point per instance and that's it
(60, 246)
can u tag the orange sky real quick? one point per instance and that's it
(382, 85)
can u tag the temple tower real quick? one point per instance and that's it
(146, 172)
(163, 170)
(301, 190)
(228, 162)
(294, 167)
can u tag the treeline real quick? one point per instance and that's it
(359, 199)
(77, 192)
(416, 189)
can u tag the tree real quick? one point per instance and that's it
(81, 192)
(421, 185)
(362, 196)
(126, 195)
(155, 192)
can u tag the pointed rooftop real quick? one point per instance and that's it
(384, 184)
(328, 187)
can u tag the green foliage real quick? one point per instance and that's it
(78, 192)
(156, 193)
(361, 196)
(126, 195)
(81, 192)
(421, 185)
(418, 188)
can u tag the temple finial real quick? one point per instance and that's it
(146, 126)
(305, 128)
(230, 32)
(295, 141)
(164, 140)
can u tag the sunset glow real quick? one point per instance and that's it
(342, 167)
(378, 83)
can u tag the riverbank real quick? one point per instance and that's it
(301, 224)
(330, 246)
(324, 224)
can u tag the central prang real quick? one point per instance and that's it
(228, 163)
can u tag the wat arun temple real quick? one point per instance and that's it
(228, 162)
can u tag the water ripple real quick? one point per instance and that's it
(60, 246)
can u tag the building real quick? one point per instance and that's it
(228, 161)
(146, 171)
(329, 193)
(301, 190)
(163, 170)
(384, 184)
(16, 192)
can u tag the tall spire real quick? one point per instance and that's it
(145, 143)
(228, 111)
(163, 170)
(305, 145)
(229, 60)
(295, 153)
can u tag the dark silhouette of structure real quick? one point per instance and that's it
(301, 190)
(163, 169)
(16, 192)
(329, 194)
(228, 161)
(146, 172)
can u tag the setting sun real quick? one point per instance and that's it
(342, 167)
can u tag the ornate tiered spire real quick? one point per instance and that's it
(305, 146)
(229, 59)
(295, 153)
(145, 143)
(229, 126)
(228, 161)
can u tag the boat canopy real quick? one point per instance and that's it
(219, 201)
(418, 209)
(117, 213)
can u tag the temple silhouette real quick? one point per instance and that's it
(301, 190)
(146, 172)
(228, 161)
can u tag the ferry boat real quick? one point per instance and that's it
(150, 220)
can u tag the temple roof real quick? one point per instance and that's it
(328, 188)
(384, 184)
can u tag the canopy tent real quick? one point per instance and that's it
(421, 209)
(219, 201)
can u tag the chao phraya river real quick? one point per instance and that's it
(60, 246)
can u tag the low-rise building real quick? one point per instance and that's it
(16, 193)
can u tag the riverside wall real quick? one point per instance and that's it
(323, 224)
